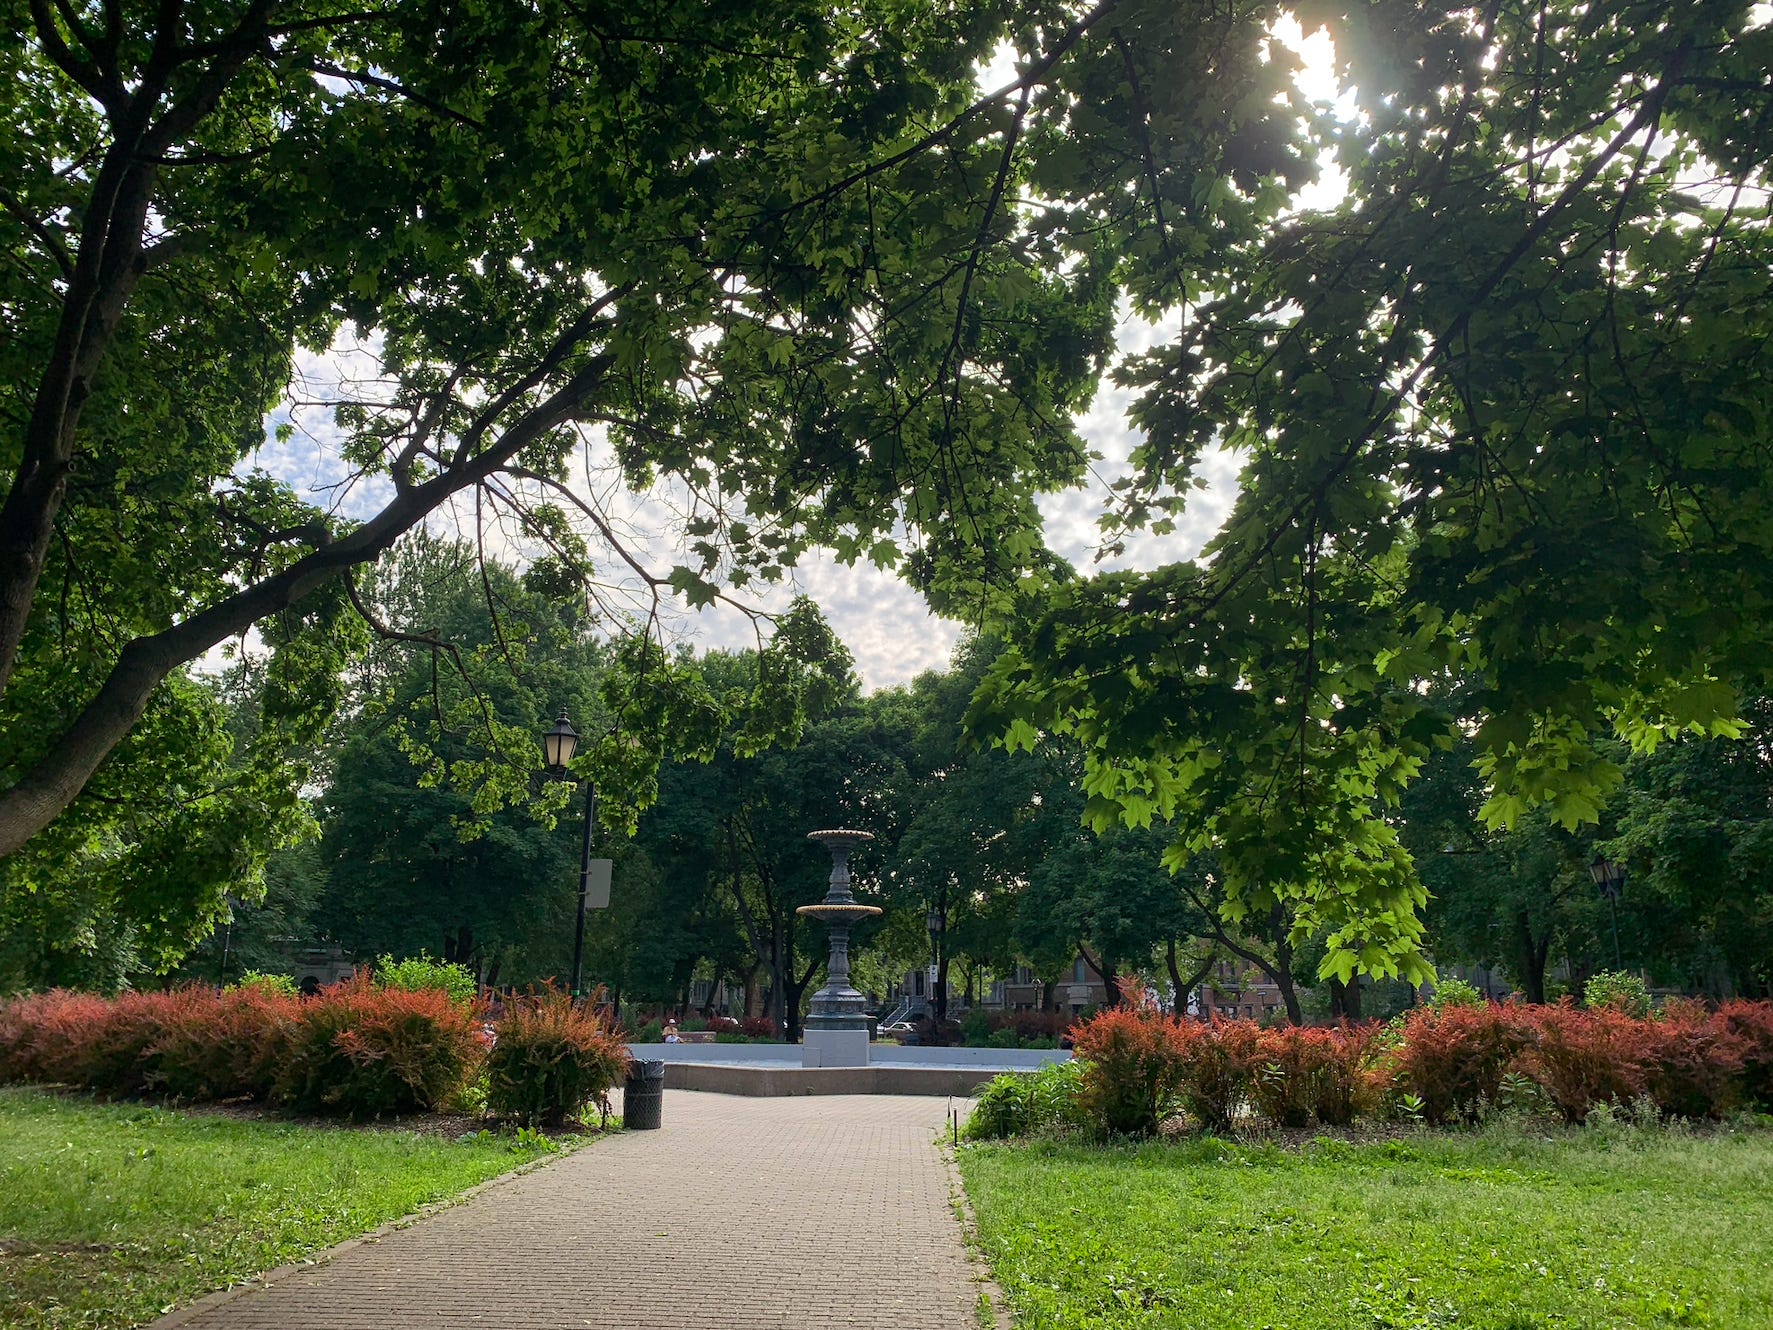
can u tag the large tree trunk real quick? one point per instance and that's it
(1530, 958)
(1345, 1000)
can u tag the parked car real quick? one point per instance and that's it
(904, 1031)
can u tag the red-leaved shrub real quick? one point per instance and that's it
(758, 1027)
(225, 1045)
(722, 1025)
(1347, 1087)
(1289, 1059)
(1692, 1061)
(552, 1058)
(1752, 1024)
(1304, 1073)
(110, 1047)
(1453, 1058)
(43, 1036)
(1586, 1058)
(1222, 1066)
(370, 1052)
(1135, 1062)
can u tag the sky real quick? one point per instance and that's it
(886, 626)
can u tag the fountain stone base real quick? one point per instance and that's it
(824, 1046)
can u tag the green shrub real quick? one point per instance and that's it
(552, 1058)
(653, 1032)
(278, 985)
(1027, 1103)
(1453, 992)
(975, 1029)
(367, 1051)
(417, 974)
(1619, 990)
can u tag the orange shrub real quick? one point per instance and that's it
(43, 1035)
(1289, 1060)
(229, 1045)
(1752, 1023)
(1221, 1071)
(1586, 1058)
(1453, 1058)
(1692, 1061)
(552, 1058)
(1135, 1064)
(1304, 1073)
(369, 1052)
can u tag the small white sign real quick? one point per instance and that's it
(597, 884)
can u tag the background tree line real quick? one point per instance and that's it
(399, 861)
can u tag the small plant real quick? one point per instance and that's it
(527, 1140)
(553, 1057)
(421, 973)
(1455, 992)
(257, 981)
(1027, 1104)
(1617, 990)
(1520, 1094)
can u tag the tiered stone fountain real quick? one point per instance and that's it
(837, 1026)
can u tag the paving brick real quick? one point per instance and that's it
(720, 1219)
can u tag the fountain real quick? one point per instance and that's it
(837, 1027)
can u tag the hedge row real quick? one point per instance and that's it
(1137, 1068)
(358, 1049)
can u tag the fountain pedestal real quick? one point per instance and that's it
(837, 1026)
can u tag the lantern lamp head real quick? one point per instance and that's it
(559, 744)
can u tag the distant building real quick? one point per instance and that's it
(1236, 989)
(321, 967)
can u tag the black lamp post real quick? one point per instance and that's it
(937, 922)
(558, 746)
(1609, 879)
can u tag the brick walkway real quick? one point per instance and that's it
(712, 1222)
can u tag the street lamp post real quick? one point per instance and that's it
(937, 922)
(1609, 878)
(558, 746)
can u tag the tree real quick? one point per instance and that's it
(760, 249)
(412, 864)
(1501, 416)
(1693, 825)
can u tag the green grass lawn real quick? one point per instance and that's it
(1504, 1229)
(109, 1213)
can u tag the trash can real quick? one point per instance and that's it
(643, 1097)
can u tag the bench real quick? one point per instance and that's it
(695, 1036)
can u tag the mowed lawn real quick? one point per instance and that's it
(109, 1213)
(1504, 1229)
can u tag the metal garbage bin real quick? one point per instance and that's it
(643, 1097)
